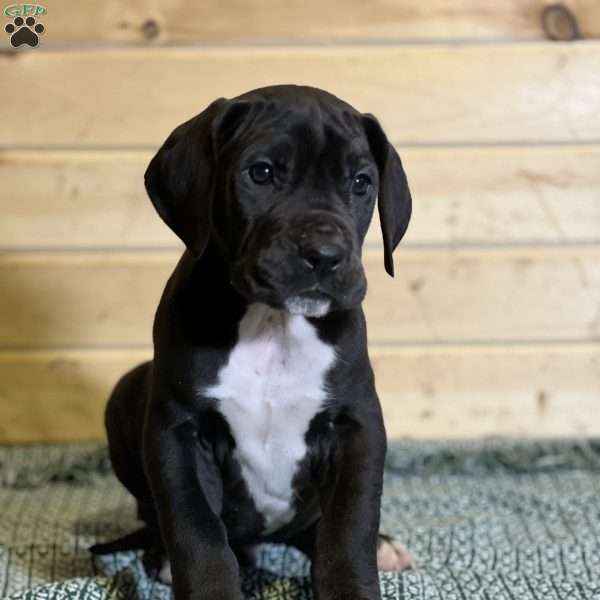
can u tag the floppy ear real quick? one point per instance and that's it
(394, 201)
(180, 179)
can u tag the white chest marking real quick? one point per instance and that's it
(269, 390)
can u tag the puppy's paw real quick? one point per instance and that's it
(392, 555)
(164, 575)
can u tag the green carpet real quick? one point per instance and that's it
(484, 520)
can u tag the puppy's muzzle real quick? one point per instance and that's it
(308, 265)
(322, 248)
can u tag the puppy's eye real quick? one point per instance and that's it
(361, 184)
(261, 173)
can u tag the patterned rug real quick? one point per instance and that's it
(484, 520)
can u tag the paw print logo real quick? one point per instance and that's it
(24, 32)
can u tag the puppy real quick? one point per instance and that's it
(258, 420)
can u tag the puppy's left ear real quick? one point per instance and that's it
(394, 201)
(180, 179)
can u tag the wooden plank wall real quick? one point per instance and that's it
(492, 326)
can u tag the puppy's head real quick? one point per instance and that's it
(283, 181)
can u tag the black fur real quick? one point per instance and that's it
(247, 242)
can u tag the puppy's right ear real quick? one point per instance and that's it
(394, 200)
(180, 178)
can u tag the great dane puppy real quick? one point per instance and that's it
(258, 420)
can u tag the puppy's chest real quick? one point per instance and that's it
(271, 387)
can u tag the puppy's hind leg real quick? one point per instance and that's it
(124, 420)
(392, 555)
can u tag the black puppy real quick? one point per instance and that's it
(258, 420)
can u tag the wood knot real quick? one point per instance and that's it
(559, 23)
(150, 29)
(416, 285)
(542, 401)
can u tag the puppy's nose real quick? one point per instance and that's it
(322, 256)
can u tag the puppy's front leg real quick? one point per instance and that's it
(345, 559)
(187, 491)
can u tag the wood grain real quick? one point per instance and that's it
(474, 391)
(108, 299)
(268, 21)
(528, 195)
(57, 396)
(492, 325)
(78, 199)
(423, 94)
(430, 392)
